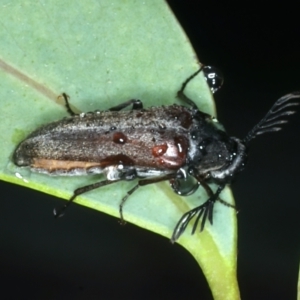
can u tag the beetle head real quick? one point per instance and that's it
(271, 122)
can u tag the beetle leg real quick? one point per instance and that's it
(182, 96)
(61, 211)
(136, 104)
(141, 183)
(67, 104)
(204, 210)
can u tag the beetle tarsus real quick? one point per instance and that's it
(67, 104)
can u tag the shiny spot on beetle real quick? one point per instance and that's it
(119, 138)
(182, 146)
(159, 150)
(161, 161)
(120, 167)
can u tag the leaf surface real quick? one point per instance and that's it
(102, 53)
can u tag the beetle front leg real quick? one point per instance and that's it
(182, 96)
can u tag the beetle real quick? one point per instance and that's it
(156, 144)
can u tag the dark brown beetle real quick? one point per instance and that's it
(154, 144)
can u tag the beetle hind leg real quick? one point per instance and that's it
(61, 211)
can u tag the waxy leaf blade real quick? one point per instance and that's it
(102, 53)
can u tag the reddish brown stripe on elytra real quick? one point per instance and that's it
(52, 164)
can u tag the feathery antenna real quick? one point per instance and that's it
(272, 120)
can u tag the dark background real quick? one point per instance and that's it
(88, 255)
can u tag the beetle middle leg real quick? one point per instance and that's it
(120, 175)
(141, 183)
(136, 104)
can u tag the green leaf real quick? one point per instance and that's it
(102, 53)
